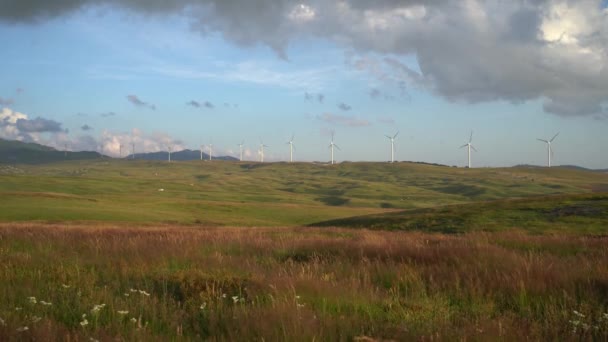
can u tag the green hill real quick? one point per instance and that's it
(255, 194)
(17, 152)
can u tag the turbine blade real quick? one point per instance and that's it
(474, 149)
(396, 134)
(387, 136)
(471, 137)
(543, 140)
(555, 136)
(338, 147)
(465, 145)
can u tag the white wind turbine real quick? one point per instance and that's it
(261, 151)
(241, 150)
(469, 146)
(169, 152)
(210, 151)
(331, 146)
(392, 139)
(549, 149)
(291, 147)
(132, 149)
(202, 146)
(119, 150)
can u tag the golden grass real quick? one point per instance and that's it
(298, 284)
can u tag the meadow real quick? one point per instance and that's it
(351, 252)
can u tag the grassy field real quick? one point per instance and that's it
(274, 252)
(254, 194)
(73, 282)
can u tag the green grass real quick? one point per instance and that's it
(573, 214)
(254, 194)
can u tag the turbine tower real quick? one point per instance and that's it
(119, 150)
(202, 146)
(261, 151)
(291, 147)
(132, 150)
(241, 150)
(392, 139)
(65, 151)
(549, 149)
(331, 146)
(169, 152)
(469, 146)
(210, 152)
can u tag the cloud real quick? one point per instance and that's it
(38, 125)
(139, 103)
(19, 90)
(193, 104)
(110, 142)
(86, 127)
(107, 114)
(320, 98)
(17, 126)
(308, 96)
(6, 102)
(343, 120)
(466, 51)
(209, 105)
(344, 107)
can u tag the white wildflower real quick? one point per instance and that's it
(46, 303)
(126, 294)
(133, 290)
(300, 305)
(22, 329)
(2, 322)
(93, 340)
(144, 293)
(223, 295)
(36, 319)
(578, 313)
(32, 300)
(133, 319)
(235, 299)
(123, 312)
(96, 308)
(18, 308)
(84, 322)
(203, 306)
(65, 286)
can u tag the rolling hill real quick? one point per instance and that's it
(17, 152)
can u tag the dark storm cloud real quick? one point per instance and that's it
(139, 103)
(38, 125)
(465, 51)
(86, 127)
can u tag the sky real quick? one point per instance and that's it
(95, 74)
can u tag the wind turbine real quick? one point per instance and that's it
(291, 147)
(241, 150)
(549, 149)
(119, 150)
(469, 146)
(210, 152)
(65, 151)
(331, 146)
(202, 146)
(392, 139)
(261, 151)
(169, 151)
(132, 149)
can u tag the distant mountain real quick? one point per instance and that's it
(18, 152)
(183, 155)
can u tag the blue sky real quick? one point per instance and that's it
(79, 68)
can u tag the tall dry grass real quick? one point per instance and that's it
(298, 284)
